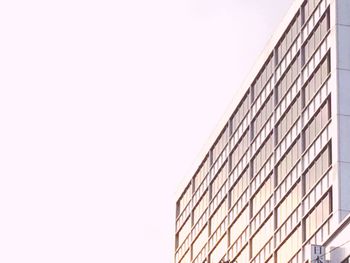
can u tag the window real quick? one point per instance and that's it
(200, 208)
(317, 123)
(184, 199)
(262, 155)
(218, 216)
(220, 144)
(239, 225)
(239, 113)
(288, 119)
(240, 186)
(289, 247)
(317, 216)
(309, 7)
(219, 251)
(202, 172)
(316, 80)
(291, 201)
(289, 77)
(264, 234)
(239, 150)
(186, 258)
(288, 161)
(317, 169)
(200, 241)
(262, 195)
(316, 37)
(183, 233)
(243, 256)
(219, 180)
(264, 76)
(263, 115)
(288, 38)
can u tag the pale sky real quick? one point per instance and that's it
(104, 106)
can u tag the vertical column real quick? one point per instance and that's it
(340, 68)
(274, 180)
(250, 165)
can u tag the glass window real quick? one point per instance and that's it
(308, 8)
(240, 150)
(184, 199)
(183, 233)
(239, 188)
(289, 118)
(263, 77)
(218, 217)
(263, 115)
(239, 113)
(288, 38)
(289, 160)
(243, 256)
(287, 206)
(316, 80)
(289, 247)
(316, 124)
(288, 78)
(219, 180)
(317, 216)
(263, 194)
(201, 207)
(219, 251)
(200, 241)
(240, 224)
(201, 173)
(263, 153)
(186, 258)
(264, 234)
(220, 143)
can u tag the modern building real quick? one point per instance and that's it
(273, 184)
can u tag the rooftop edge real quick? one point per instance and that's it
(240, 93)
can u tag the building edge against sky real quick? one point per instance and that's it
(274, 179)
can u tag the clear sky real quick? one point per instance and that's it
(104, 106)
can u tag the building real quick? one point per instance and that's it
(273, 184)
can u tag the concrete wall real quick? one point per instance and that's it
(340, 25)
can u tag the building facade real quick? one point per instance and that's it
(273, 184)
